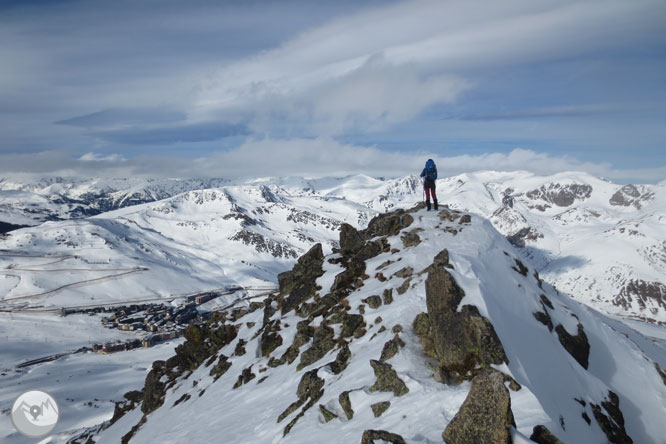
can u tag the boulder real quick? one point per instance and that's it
(488, 399)
(465, 342)
(299, 284)
(379, 408)
(369, 437)
(322, 343)
(388, 224)
(351, 240)
(541, 435)
(387, 379)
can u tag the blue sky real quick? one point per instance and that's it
(210, 88)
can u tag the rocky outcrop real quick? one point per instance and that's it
(465, 342)
(630, 195)
(577, 346)
(541, 435)
(645, 294)
(611, 422)
(387, 379)
(310, 389)
(560, 195)
(299, 284)
(379, 408)
(489, 400)
(369, 437)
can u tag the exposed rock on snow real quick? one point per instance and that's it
(485, 416)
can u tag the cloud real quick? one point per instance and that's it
(311, 158)
(96, 157)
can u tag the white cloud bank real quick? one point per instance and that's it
(311, 158)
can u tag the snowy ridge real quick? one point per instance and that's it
(240, 390)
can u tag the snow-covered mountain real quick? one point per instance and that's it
(603, 243)
(29, 202)
(412, 330)
(196, 241)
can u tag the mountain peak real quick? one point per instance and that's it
(411, 328)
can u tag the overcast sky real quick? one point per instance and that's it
(267, 88)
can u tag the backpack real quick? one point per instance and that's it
(431, 170)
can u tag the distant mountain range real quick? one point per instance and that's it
(603, 243)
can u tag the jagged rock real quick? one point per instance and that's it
(154, 388)
(310, 387)
(485, 416)
(522, 269)
(464, 341)
(421, 324)
(546, 302)
(254, 306)
(541, 435)
(402, 289)
(132, 399)
(369, 437)
(451, 216)
(387, 379)
(388, 296)
(611, 424)
(327, 414)
(391, 348)
(351, 323)
(577, 346)
(380, 407)
(300, 283)
(380, 277)
(544, 318)
(221, 367)
(321, 344)
(411, 239)
(245, 377)
(345, 403)
(351, 240)
(378, 319)
(388, 224)
(404, 273)
(347, 278)
(465, 219)
(341, 360)
(397, 328)
(240, 347)
(269, 342)
(373, 301)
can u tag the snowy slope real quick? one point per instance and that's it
(196, 241)
(603, 243)
(26, 201)
(557, 391)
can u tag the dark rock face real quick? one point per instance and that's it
(645, 294)
(322, 343)
(464, 341)
(327, 414)
(410, 239)
(263, 244)
(489, 400)
(541, 435)
(369, 437)
(612, 423)
(351, 240)
(310, 389)
(388, 224)
(345, 403)
(387, 379)
(300, 283)
(577, 346)
(630, 195)
(560, 195)
(521, 237)
(391, 348)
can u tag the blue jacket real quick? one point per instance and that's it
(430, 165)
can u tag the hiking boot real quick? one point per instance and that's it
(435, 202)
(428, 204)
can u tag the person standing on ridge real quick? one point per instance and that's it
(429, 174)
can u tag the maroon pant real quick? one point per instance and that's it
(427, 193)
